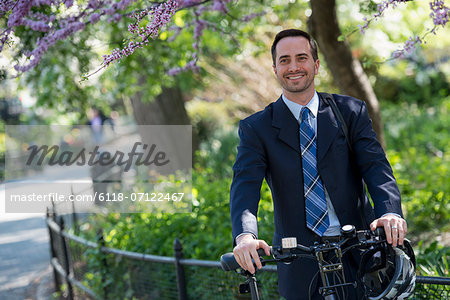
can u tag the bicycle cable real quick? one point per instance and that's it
(310, 285)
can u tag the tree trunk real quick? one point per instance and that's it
(346, 70)
(165, 109)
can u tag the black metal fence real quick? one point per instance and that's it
(89, 270)
(432, 288)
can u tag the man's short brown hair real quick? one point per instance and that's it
(294, 32)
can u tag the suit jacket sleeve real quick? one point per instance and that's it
(374, 166)
(249, 171)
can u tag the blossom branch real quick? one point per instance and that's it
(56, 27)
(439, 14)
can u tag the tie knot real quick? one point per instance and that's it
(304, 114)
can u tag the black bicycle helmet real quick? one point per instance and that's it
(388, 273)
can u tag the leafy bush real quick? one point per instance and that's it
(433, 260)
(207, 117)
(205, 232)
(418, 139)
(422, 83)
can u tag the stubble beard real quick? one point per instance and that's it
(295, 88)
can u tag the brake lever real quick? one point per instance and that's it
(280, 255)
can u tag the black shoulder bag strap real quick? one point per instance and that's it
(329, 99)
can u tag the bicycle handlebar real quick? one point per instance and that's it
(291, 250)
(229, 263)
(280, 254)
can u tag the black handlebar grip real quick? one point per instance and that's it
(261, 252)
(379, 232)
(228, 262)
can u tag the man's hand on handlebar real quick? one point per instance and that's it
(246, 250)
(394, 227)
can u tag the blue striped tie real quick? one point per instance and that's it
(316, 205)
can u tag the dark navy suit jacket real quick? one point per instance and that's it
(270, 148)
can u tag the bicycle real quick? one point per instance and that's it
(392, 270)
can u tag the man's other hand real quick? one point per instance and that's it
(394, 227)
(246, 249)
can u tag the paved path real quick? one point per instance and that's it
(24, 253)
(24, 240)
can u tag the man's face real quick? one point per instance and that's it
(295, 67)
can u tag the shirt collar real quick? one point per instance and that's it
(295, 108)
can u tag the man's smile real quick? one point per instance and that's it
(294, 77)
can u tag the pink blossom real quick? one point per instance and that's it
(6, 5)
(191, 65)
(94, 18)
(43, 2)
(108, 11)
(20, 10)
(363, 28)
(4, 39)
(439, 12)
(42, 17)
(21, 14)
(251, 16)
(49, 41)
(116, 17)
(124, 4)
(186, 3)
(200, 25)
(68, 3)
(93, 4)
(220, 5)
(161, 15)
(408, 47)
(36, 25)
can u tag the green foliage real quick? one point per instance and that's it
(207, 118)
(55, 81)
(418, 139)
(433, 260)
(368, 7)
(205, 232)
(421, 84)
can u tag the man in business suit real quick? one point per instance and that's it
(271, 148)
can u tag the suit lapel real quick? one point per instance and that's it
(289, 128)
(327, 129)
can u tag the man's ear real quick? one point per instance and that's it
(316, 67)
(274, 69)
